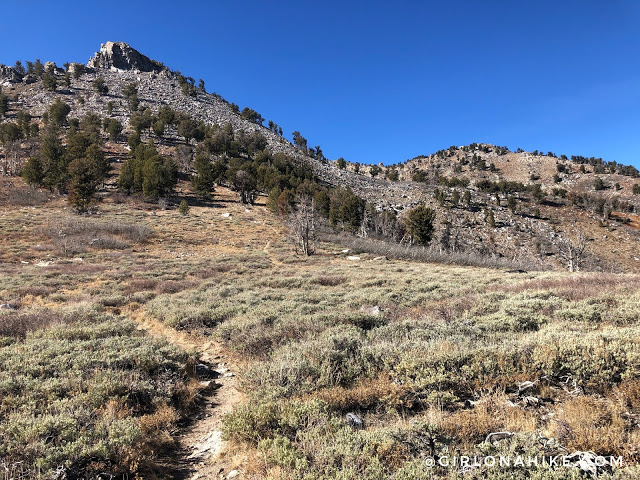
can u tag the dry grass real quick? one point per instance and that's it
(369, 394)
(576, 287)
(74, 235)
(491, 414)
(596, 424)
(18, 325)
(25, 197)
(421, 254)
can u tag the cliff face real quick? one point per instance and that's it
(119, 56)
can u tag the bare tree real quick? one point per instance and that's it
(302, 223)
(573, 252)
(184, 156)
(10, 162)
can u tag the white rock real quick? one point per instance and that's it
(226, 215)
(353, 257)
(233, 474)
(208, 445)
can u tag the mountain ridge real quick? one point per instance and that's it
(566, 200)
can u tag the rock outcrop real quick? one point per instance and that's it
(8, 74)
(119, 56)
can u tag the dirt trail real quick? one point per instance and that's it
(201, 440)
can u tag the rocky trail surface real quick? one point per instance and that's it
(198, 455)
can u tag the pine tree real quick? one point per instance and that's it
(54, 161)
(419, 223)
(184, 207)
(84, 178)
(202, 182)
(100, 86)
(49, 82)
(32, 172)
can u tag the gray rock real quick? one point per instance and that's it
(8, 74)
(118, 56)
(497, 436)
(28, 79)
(355, 421)
(375, 310)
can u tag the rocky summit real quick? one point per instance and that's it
(119, 56)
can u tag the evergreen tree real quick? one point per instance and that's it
(38, 68)
(54, 161)
(419, 223)
(158, 128)
(187, 129)
(346, 209)
(58, 112)
(49, 82)
(33, 172)
(84, 178)
(184, 207)
(100, 86)
(114, 129)
(4, 103)
(272, 200)
(202, 182)
(19, 68)
(245, 183)
(467, 198)
(299, 141)
(455, 198)
(491, 221)
(130, 89)
(148, 173)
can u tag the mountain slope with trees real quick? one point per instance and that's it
(164, 126)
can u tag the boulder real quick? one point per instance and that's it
(53, 68)
(355, 421)
(497, 436)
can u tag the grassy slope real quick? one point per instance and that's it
(438, 368)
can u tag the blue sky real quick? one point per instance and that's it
(382, 81)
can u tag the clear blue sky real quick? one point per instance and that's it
(382, 81)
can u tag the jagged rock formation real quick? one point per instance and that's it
(118, 56)
(9, 75)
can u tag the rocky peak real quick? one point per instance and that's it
(119, 56)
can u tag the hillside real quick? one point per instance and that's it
(202, 346)
(537, 231)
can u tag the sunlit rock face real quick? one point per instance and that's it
(118, 56)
